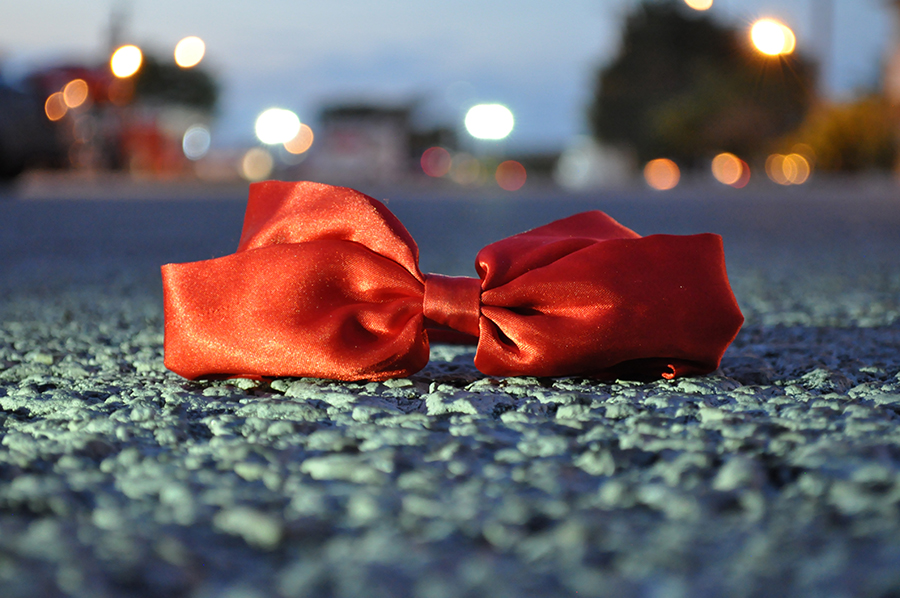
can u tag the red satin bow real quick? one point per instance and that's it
(325, 283)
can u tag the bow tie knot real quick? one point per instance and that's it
(453, 301)
(325, 283)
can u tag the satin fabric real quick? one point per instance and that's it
(325, 283)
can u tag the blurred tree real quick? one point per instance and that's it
(685, 87)
(166, 83)
(851, 136)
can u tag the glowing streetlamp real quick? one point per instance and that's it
(189, 52)
(489, 121)
(662, 174)
(277, 125)
(772, 37)
(126, 61)
(699, 4)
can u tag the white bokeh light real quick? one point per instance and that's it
(489, 121)
(772, 37)
(256, 164)
(195, 142)
(277, 125)
(189, 52)
(126, 61)
(700, 5)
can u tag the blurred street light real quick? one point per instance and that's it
(699, 4)
(772, 37)
(730, 170)
(195, 142)
(277, 125)
(510, 175)
(256, 164)
(189, 52)
(436, 162)
(727, 168)
(792, 169)
(126, 61)
(301, 142)
(662, 174)
(55, 107)
(489, 121)
(75, 93)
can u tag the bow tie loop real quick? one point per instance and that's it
(325, 283)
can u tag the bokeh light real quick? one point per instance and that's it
(790, 169)
(55, 107)
(745, 176)
(489, 121)
(126, 61)
(195, 142)
(120, 91)
(436, 162)
(806, 151)
(466, 170)
(75, 93)
(699, 4)
(301, 142)
(277, 125)
(728, 169)
(189, 52)
(796, 168)
(510, 175)
(256, 164)
(662, 174)
(775, 169)
(772, 37)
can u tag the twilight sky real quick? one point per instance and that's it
(536, 57)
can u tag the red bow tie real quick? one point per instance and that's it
(325, 283)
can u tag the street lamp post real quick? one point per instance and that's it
(823, 30)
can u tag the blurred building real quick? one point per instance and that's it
(90, 120)
(27, 138)
(370, 143)
(362, 142)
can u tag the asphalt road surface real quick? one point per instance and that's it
(778, 475)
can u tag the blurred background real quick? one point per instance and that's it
(488, 94)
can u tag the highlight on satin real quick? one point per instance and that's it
(325, 283)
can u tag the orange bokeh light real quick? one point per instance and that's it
(796, 168)
(792, 169)
(510, 175)
(728, 169)
(55, 107)
(75, 93)
(745, 176)
(120, 91)
(662, 174)
(775, 169)
(301, 142)
(436, 162)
